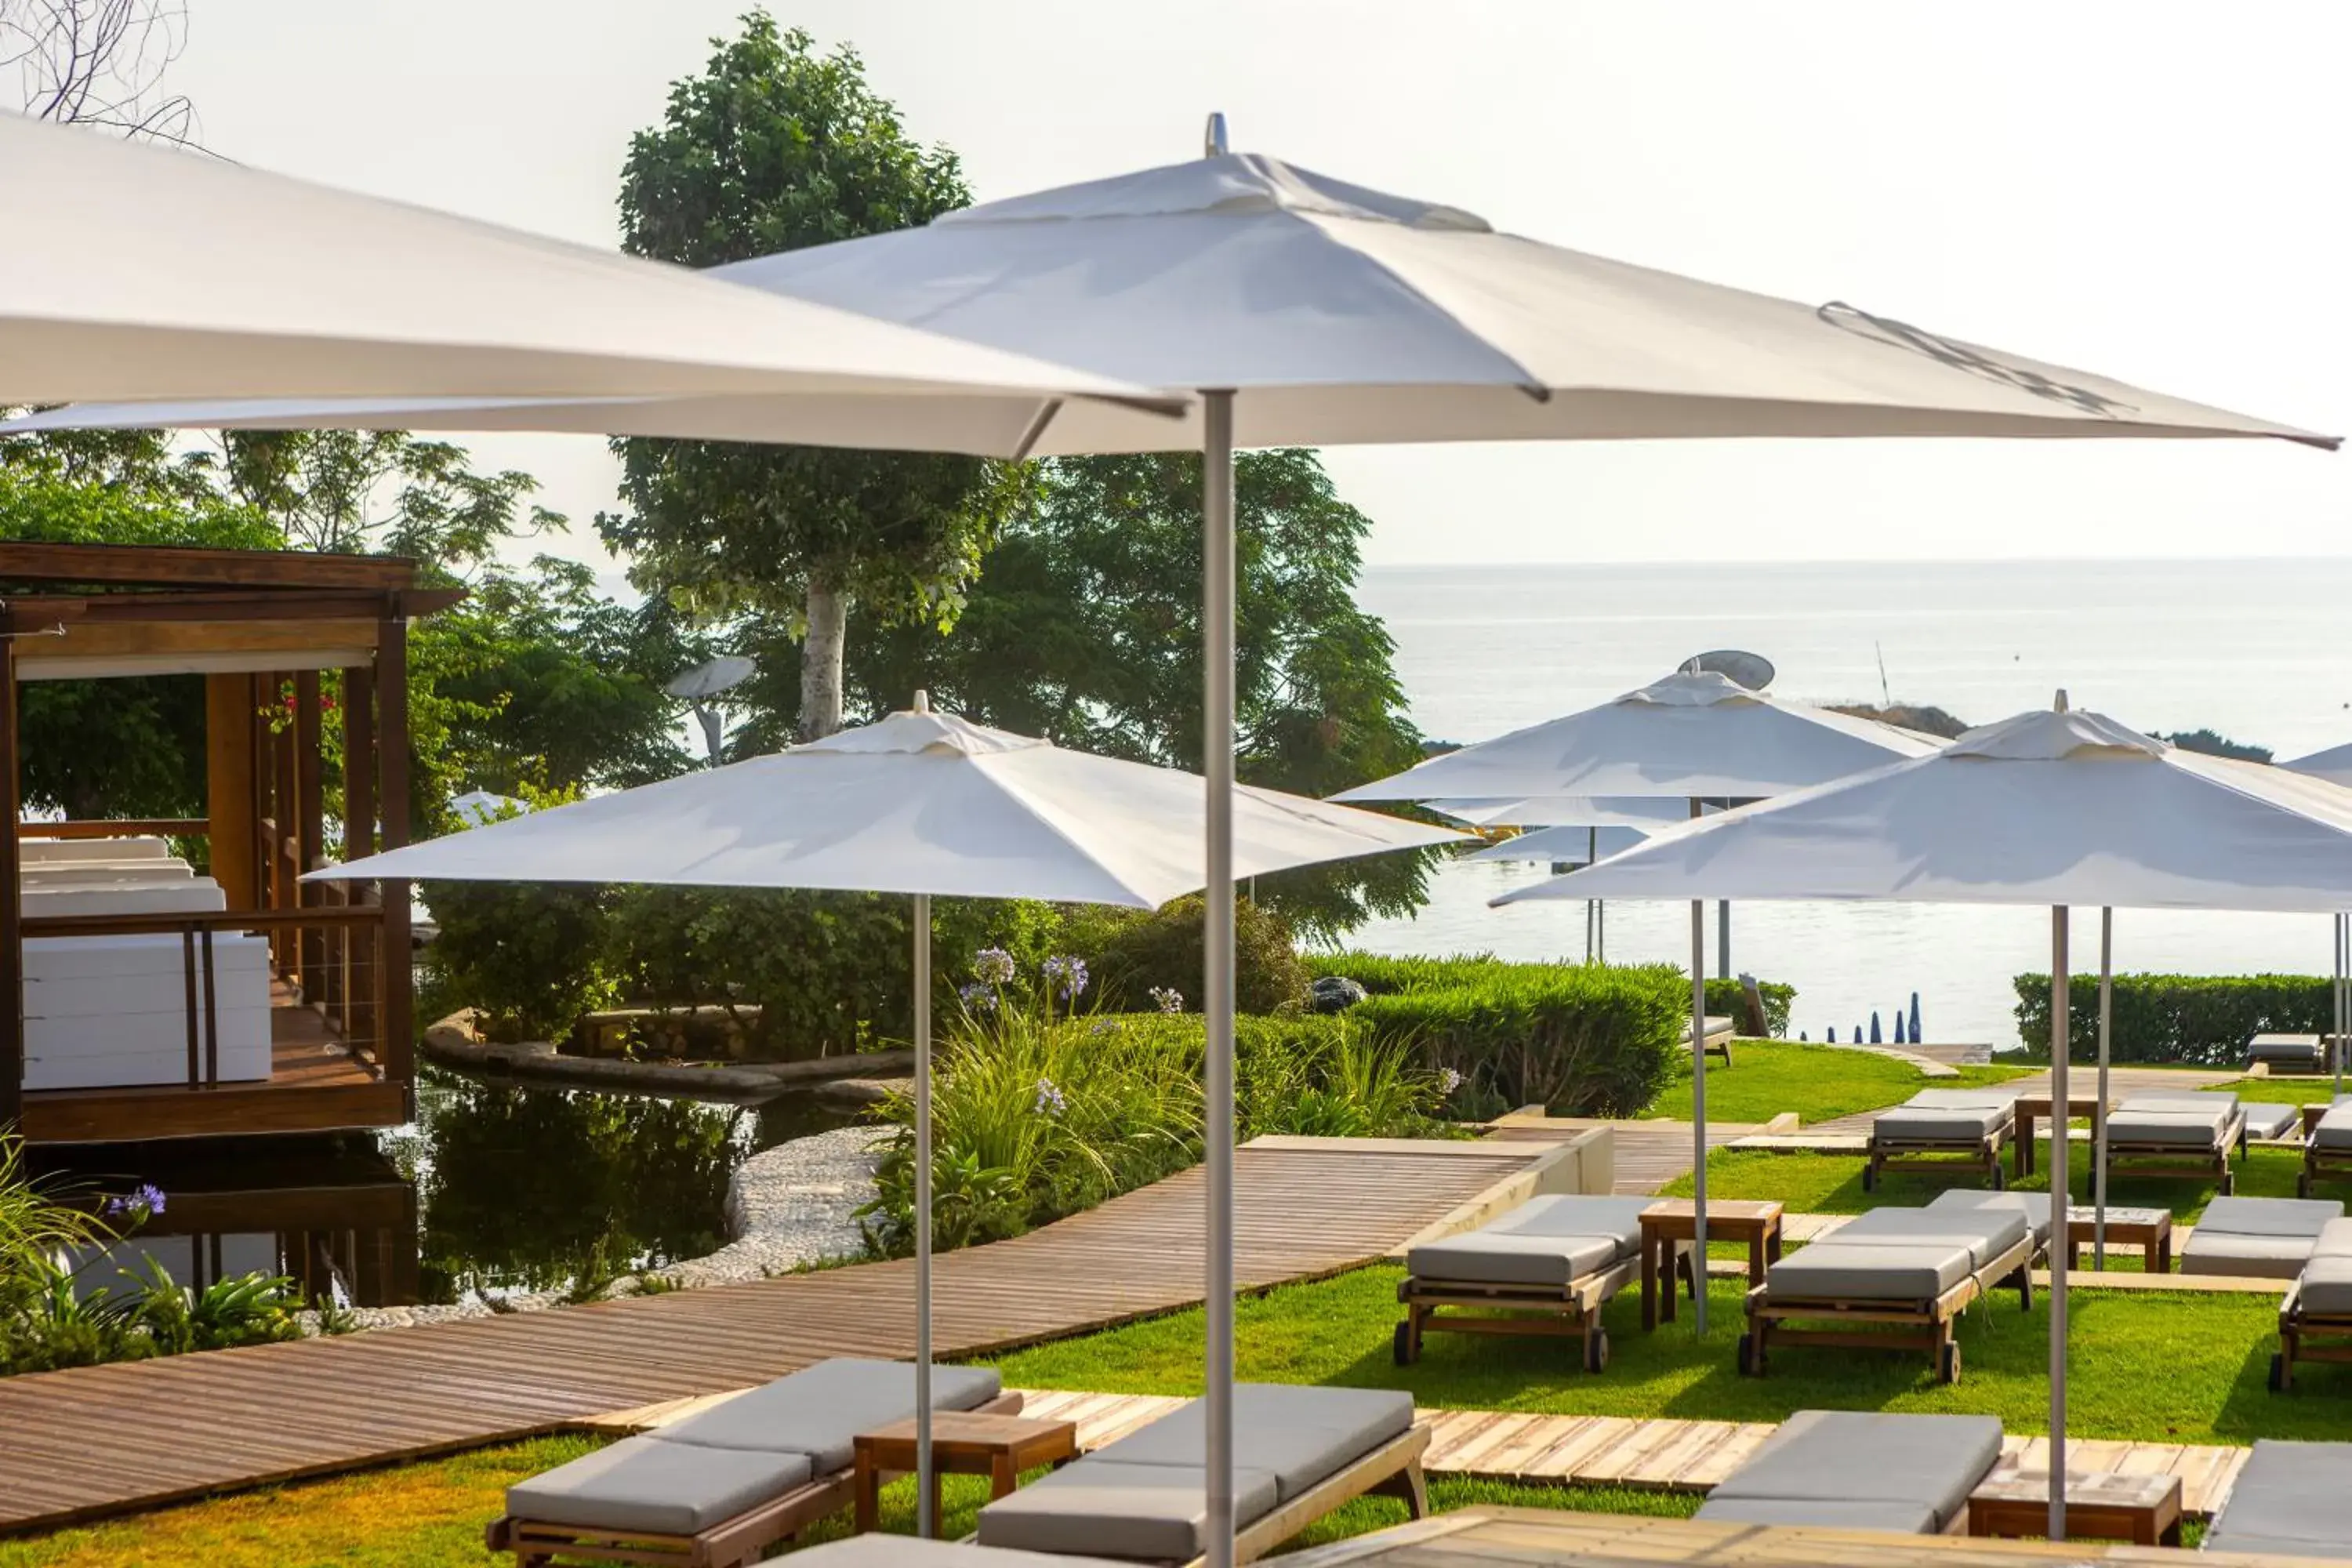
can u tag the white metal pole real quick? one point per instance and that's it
(1591, 853)
(2060, 1245)
(1723, 939)
(2343, 996)
(2099, 1112)
(925, 1525)
(1217, 993)
(1698, 1113)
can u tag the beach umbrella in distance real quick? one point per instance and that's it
(923, 804)
(158, 273)
(1916, 1035)
(2057, 808)
(1582, 845)
(1315, 311)
(1874, 1030)
(1898, 1026)
(2335, 766)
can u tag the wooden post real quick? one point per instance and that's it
(310, 830)
(397, 980)
(12, 940)
(230, 800)
(359, 839)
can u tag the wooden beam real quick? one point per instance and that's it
(12, 938)
(230, 805)
(35, 612)
(95, 638)
(310, 825)
(170, 566)
(231, 1110)
(359, 839)
(396, 980)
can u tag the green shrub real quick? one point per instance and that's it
(1723, 997)
(1583, 1039)
(1381, 975)
(529, 956)
(2203, 1019)
(1135, 952)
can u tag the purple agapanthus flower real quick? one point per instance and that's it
(1049, 1098)
(140, 1201)
(977, 998)
(1448, 1080)
(993, 967)
(1068, 976)
(1167, 999)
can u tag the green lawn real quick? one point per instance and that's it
(2178, 1368)
(1831, 1184)
(2284, 1090)
(1818, 1083)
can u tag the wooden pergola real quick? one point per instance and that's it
(261, 629)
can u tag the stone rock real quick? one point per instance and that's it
(1334, 993)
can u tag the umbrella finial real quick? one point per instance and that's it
(922, 701)
(2058, 703)
(1212, 139)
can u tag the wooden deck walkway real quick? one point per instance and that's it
(97, 1440)
(1648, 1155)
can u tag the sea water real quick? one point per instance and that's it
(2258, 650)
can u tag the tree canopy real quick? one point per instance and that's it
(772, 148)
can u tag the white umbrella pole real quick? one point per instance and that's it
(1698, 1113)
(2335, 1046)
(1723, 939)
(1217, 995)
(1591, 853)
(925, 1525)
(2099, 1111)
(2058, 1246)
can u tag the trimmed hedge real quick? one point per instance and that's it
(1384, 976)
(2200, 1019)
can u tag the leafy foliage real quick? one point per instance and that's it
(774, 148)
(1138, 955)
(2203, 1020)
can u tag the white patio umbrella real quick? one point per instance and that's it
(2051, 807)
(1570, 844)
(2335, 766)
(1644, 812)
(155, 273)
(1313, 312)
(1693, 734)
(920, 802)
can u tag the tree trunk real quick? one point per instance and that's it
(820, 650)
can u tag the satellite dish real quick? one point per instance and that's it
(1752, 670)
(710, 679)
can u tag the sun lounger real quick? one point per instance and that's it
(2287, 1053)
(2268, 1119)
(2266, 1238)
(1298, 1453)
(2176, 1135)
(1562, 1256)
(2034, 1206)
(913, 1551)
(1845, 1469)
(2290, 1500)
(719, 1487)
(1892, 1278)
(2318, 1306)
(1925, 1130)
(2328, 1146)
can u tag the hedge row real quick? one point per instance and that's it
(1381, 976)
(2202, 1019)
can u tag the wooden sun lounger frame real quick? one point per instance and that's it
(1393, 1469)
(2319, 1163)
(2295, 1326)
(1935, 1155)
(2182, 1159)
(731, 1542)
(1547, 1310)
(1923, 1325)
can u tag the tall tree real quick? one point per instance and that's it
(99, 62)
(772, 148)
(1085, 629)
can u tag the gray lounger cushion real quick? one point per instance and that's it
(820, 1410)
(2326, 1280)
(913, 1551)
(2283, 1049)
(2267, 1239)
(665, 1489)
(1896, 1518)
(2034, 1206)
(1151, 1511)
(2269, 1118)
(2333, 1130)
(1298, 1434)
(1843, 1458)
(1945, 1116)
(1545, 1241)
(1829, 1269)
(2290, 1500)
(2170, 1120)
(1987, 1233)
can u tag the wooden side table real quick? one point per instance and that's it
(962, 1444)
(1673, 1220)
(2032, 1108)
(2150, 1229)
(2142, 1510)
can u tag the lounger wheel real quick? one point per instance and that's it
(2278, 1373)
(1401, 1345)
(1596, 1350)
(1947, 1365)
(1751, 1363)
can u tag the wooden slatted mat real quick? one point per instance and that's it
(1546, 1538)
(97, 1440)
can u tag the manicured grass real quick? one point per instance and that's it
(1818, 1083)
(1448, 1493)
(2178, 1368)
(2315, 1090)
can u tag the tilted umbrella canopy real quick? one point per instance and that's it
(2334, 764)
(1341, 314)
(1580, 845)
(1638, 812)
(919, 802)
(153, 273)
(1688, 735)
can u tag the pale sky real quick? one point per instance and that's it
(2151, 190)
